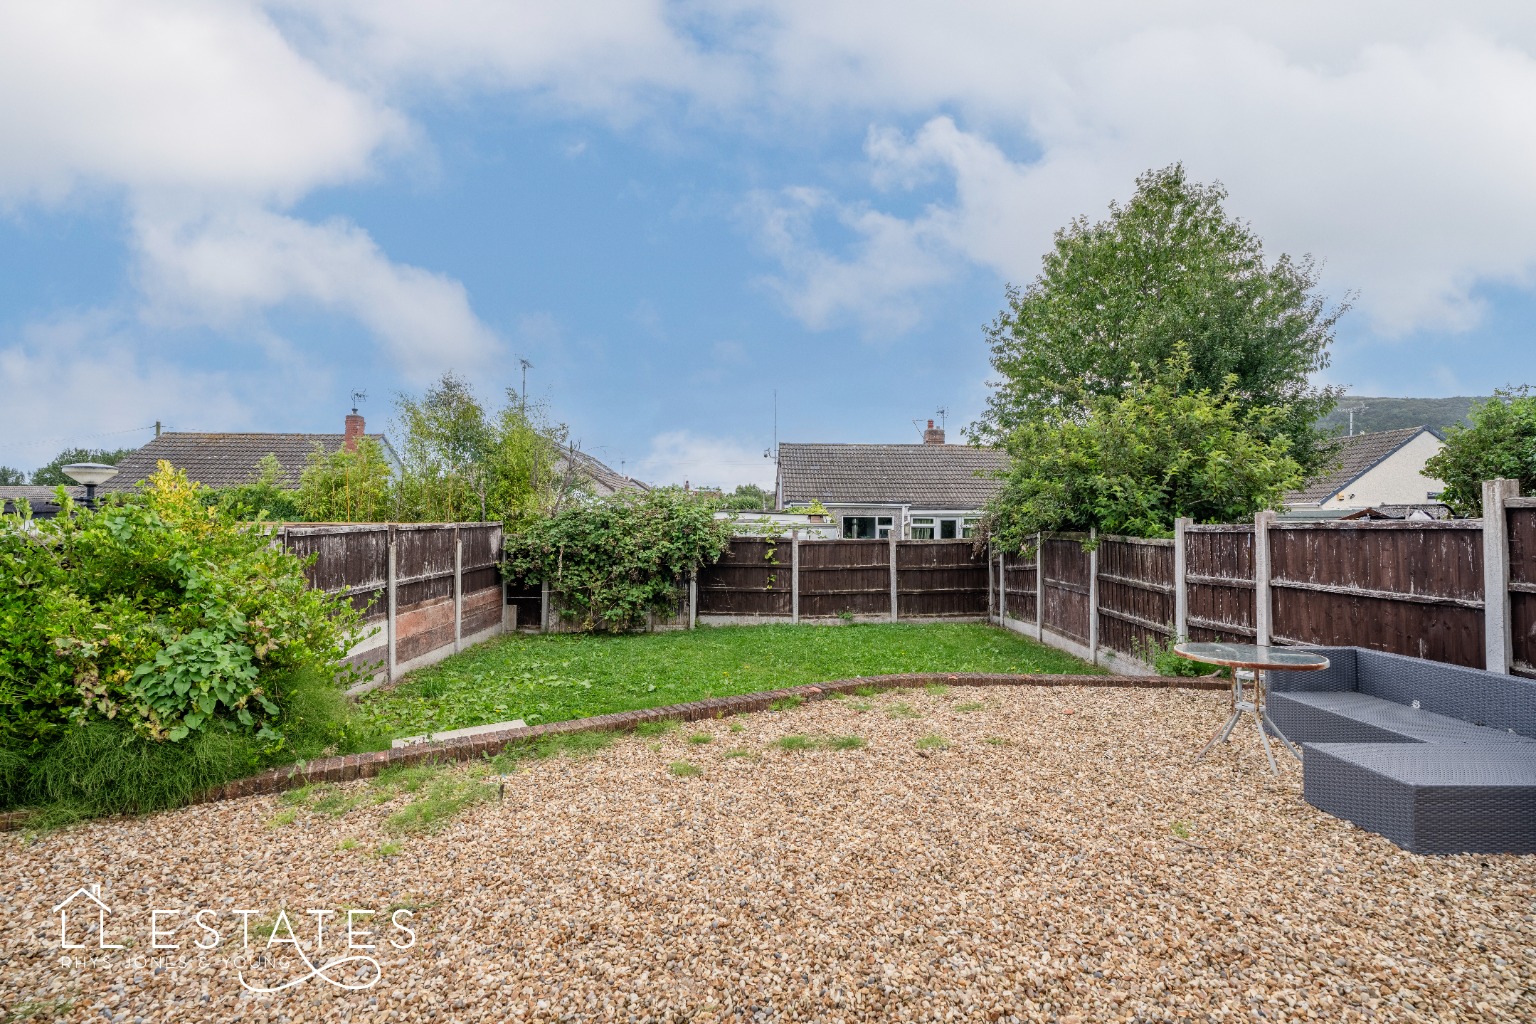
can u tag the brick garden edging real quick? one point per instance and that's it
(365, 766)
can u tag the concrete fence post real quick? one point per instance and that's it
(1040, 587)
(1498, 636)
(693, 601)
(894, 607)
(389, 598)
(544, 607)
(458, 590)
(1263, 601)
(1093, 596)
(1181, 579)
(794, 576)
(1002, 588)
(991, 587)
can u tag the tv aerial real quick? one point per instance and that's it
(358, 397)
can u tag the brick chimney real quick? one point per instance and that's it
(354, 431)
(933, 435)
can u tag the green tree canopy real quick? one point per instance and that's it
(52, 475)
(748, 498)
(1168, 267)
(1500, 444)
(1135, 462)
(346, 486)
(10, 476)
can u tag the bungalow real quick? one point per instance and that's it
(1373, 470)
(928, 491)
(226, 460)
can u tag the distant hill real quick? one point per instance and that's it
(1373, 414)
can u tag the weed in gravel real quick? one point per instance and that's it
(786, 703)
(411, 778)
(933, 741)
(861, 705)
(303, 795)
(441, 801)
(865, 691)
(347, 844)
(901, 709)
(836, 695)
(37, 1009)
(701, 737)
(845, 743)
(999, 741)
(1180, 829)
(282, 818)
(974, 705)
(570, 744)
(737, 752)
(337, 804)
(660, 728)
(936, 689)
(684, 770)
(389, 849)
(738, 727)
(794, 743)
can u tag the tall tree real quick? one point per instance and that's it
(1500, 443)
(1167, 267)
(9, 475)
(52, 475)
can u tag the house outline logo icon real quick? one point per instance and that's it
(92, 893)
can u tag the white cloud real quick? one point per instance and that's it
(228, 265)
(84, 375)
(1394, 143)
(162, 94)
(680, 456)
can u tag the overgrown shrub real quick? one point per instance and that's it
(165, 618)
(612, 560)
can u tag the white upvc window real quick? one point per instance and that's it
(922, 527)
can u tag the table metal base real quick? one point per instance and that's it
(1242, 703)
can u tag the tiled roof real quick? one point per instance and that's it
(35, 492)
(929, 476)
(223, 460)
(1356, 455)
(604, 479)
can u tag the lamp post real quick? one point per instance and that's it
(90, 474)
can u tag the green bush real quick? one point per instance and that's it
(614, 559)
(165, 617)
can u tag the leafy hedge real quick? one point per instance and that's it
(168, 618)
(614, 559)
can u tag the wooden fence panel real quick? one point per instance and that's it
(939, 578)
(1219, 564)
(1407, 588)
(1066, 566)
(1019, 586)
(1135, 593)
(355, 557)
(751, 579)
(845, 576)
(1522, 588)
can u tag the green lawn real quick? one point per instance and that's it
(560, 676)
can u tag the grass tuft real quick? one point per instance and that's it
(443, 800)
(974, 705)
(845, 743)
(794, 743)
(684, 770)
(570, 744)
(347, 844)
(786, 703)
(901, 709)
(933, 741)
(390, 848)
(660, 728)
(936, 689)
(701, 737)
(738, 752)
(282, 818)
(999, 741)
(865, 691)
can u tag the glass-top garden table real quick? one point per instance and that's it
(1249, 663)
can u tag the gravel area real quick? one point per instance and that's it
(987, 854)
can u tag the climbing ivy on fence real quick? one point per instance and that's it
(613, 560)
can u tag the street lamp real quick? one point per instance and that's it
(90, 474)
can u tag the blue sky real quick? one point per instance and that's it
(230, 216)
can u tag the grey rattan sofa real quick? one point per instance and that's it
(1437, 758)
